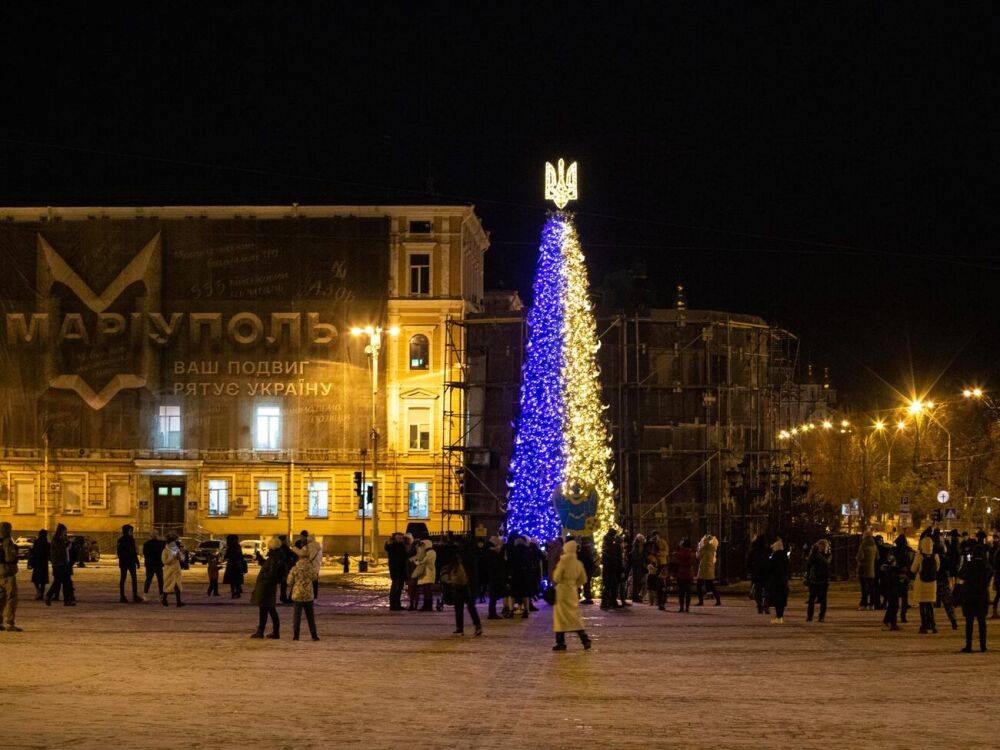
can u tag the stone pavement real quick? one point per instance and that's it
(103, 675)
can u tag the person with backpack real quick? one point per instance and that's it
(975, 575)
(925, 567)
(818, 578)
(458, 574)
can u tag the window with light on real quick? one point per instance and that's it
(419, 494)
(218, 497)
(419, 421)
(169, 427)
(319, 499)
(267, 428)
(419, 352)
(267, 497)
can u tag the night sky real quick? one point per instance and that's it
(831, 169)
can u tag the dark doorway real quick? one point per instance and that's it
(168, 506)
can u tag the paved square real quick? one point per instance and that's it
(105, 675)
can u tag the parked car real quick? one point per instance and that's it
(91, 549)
(206, 548)
(250, 547)
(23, 544)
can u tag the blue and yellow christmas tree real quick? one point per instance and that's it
(560, 471)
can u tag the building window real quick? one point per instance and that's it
(367, 503)
(420, 349)
(72, 495)
(418, 418)
(418, 494)
(421, 227)
(218, 498)
(420, 274)
(319, 499)
(169, 427)
(119, 497)
(24, 495)
(267, 428)
(267, 498)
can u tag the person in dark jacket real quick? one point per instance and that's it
(395, 550)
(8, 578)
(611, 565)
(265, 590)
(637, 566)
(458, 574)
(903, 556)
(994, 558)
(777, 581)
(889, 573)
(521, 573)
(818, 576)
(290, 559)
(152, 561)
(683, 572)
(496, 570)
(757, 557)
(975, 575)
(236, 567)
(128, 563)
(38, 563)
(946, 573)
(61, 556)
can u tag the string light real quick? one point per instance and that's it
(561, 437)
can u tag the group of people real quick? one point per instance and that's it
(946, 569)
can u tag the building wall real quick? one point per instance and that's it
(347, 266)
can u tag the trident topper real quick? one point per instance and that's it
(561, 184)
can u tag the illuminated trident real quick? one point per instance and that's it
(560, 184)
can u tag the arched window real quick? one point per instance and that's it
(419, 352)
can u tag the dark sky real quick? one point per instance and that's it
(831, 169)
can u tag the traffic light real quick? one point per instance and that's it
(357, 483)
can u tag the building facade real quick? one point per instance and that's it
(193, 368)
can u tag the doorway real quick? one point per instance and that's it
(168, 506)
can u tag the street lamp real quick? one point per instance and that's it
(372, 349)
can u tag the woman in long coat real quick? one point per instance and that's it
(236, 567)
(38, 561)
(568, 577)
(777, 581)
(925, 567)
(172, 570)
(265, 590)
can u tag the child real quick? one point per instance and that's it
(300, 584)
(213, 574)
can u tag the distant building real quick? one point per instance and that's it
(191, 368)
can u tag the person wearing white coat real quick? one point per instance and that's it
(568, 577)
(708, 548)
(426, 573)
(172, 570)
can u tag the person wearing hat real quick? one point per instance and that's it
(172, 555)
(975, 575)
(777, 581)
(265, 590)
(568, 577)
(300, 588)
(128, 563)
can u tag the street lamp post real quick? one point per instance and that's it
(372, 349)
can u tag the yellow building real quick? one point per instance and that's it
(193, 368)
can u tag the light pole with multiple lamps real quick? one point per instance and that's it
(372, 349)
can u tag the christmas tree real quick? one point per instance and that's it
(560, 474)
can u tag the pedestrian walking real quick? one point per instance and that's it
(569, 576)
(300, 587)
(236, 567)
(458, 574)
(708, 549)
(611, 566)
(8, 579)
(213, 566)
(975, 575)
(172, 557)
(866, 559)
(757, 557)
(777, 581)
(925, 568)
(946, 574)
(128, 563)
(152, 561)
(60, 555)
(396, 552)
(818, 578)
(684, 573)
(38, 563)
(889, 580)
(265, 590)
